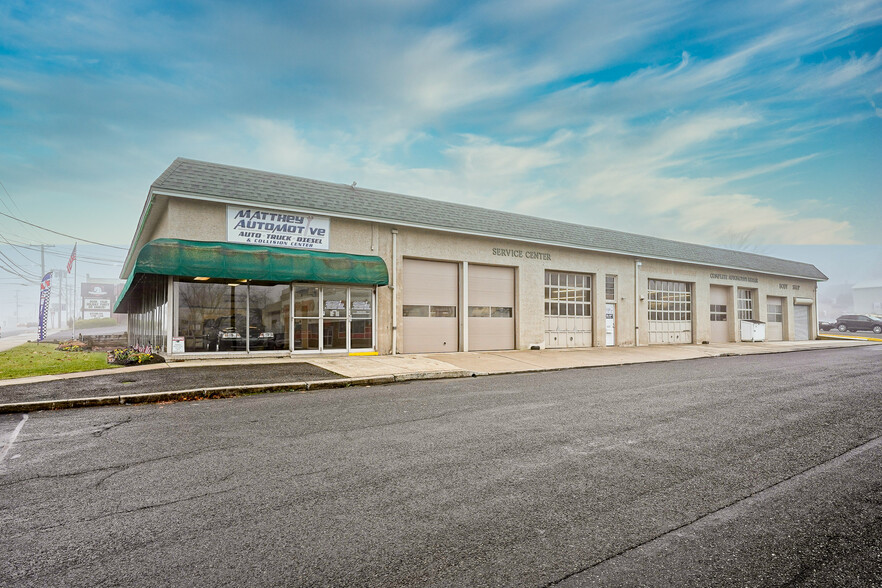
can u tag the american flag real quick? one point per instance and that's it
(73, 258)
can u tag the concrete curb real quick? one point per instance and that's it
(224, 392)
(234, 391)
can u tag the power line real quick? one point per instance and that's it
(9, 261)
(11, 199)
(63, 234)
(96, 260)
(19, 274)
(17, 249)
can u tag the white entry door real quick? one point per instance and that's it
(610, 324)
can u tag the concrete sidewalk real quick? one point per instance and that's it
(368, 370)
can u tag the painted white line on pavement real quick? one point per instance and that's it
(15, 433)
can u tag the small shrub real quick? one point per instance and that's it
(72, 345)
(131, 356)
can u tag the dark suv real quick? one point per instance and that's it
(858, 322)
(228, 333)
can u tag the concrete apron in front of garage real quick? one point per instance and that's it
(506, 362)
(385, 369)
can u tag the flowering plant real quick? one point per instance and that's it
(72, 345)
(131, 356)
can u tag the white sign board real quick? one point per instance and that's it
(257, 226)
(96, 314)
(96, 304)
(177, 345)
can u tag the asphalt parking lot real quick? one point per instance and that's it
(737, 471)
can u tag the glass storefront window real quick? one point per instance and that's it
(334, 331)
(306, 301)
(306, 321)
(334, 313)
(237, 316)
(361, 334)
(333, 318)
(220, 315)
(268, 308)
(204, 312)
(334, 302)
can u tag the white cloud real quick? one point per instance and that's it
(633, 184)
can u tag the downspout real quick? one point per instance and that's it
(392, 286)
(637, 265)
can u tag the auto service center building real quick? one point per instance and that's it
(240, 261)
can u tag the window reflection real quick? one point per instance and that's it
(227, 317)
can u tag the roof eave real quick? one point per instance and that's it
(367, 218)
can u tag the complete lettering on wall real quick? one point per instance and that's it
(732, 278)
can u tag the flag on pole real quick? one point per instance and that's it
(73, 258)
(44, 306)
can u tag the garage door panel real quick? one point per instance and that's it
(801, 322)
(431, 290)
(491, 308)
(430, 335)
(568, 309)
(489, 334)
(491, 286)
(670, 312)
(430, 282)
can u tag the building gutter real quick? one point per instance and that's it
(637, 265)
(393, 283)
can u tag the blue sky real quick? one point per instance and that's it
(754, 124)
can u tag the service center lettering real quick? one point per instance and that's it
(521, 253)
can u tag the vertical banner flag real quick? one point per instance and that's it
(70, 264)
(73, 258)
(44, 306)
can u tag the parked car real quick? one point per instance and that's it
(826, 325)
(858, 322)
(227, 333)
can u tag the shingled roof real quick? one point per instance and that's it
(198, 178)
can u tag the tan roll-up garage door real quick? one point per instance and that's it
(491, 308)
(430, 306)
(801, 319)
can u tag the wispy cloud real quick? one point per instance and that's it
(679, 119)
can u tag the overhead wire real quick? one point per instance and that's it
(65, 255)
(11, 199)
(63, 234)
(9, 260)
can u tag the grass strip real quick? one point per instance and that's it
(41, 359)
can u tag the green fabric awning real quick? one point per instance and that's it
(235, 261)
